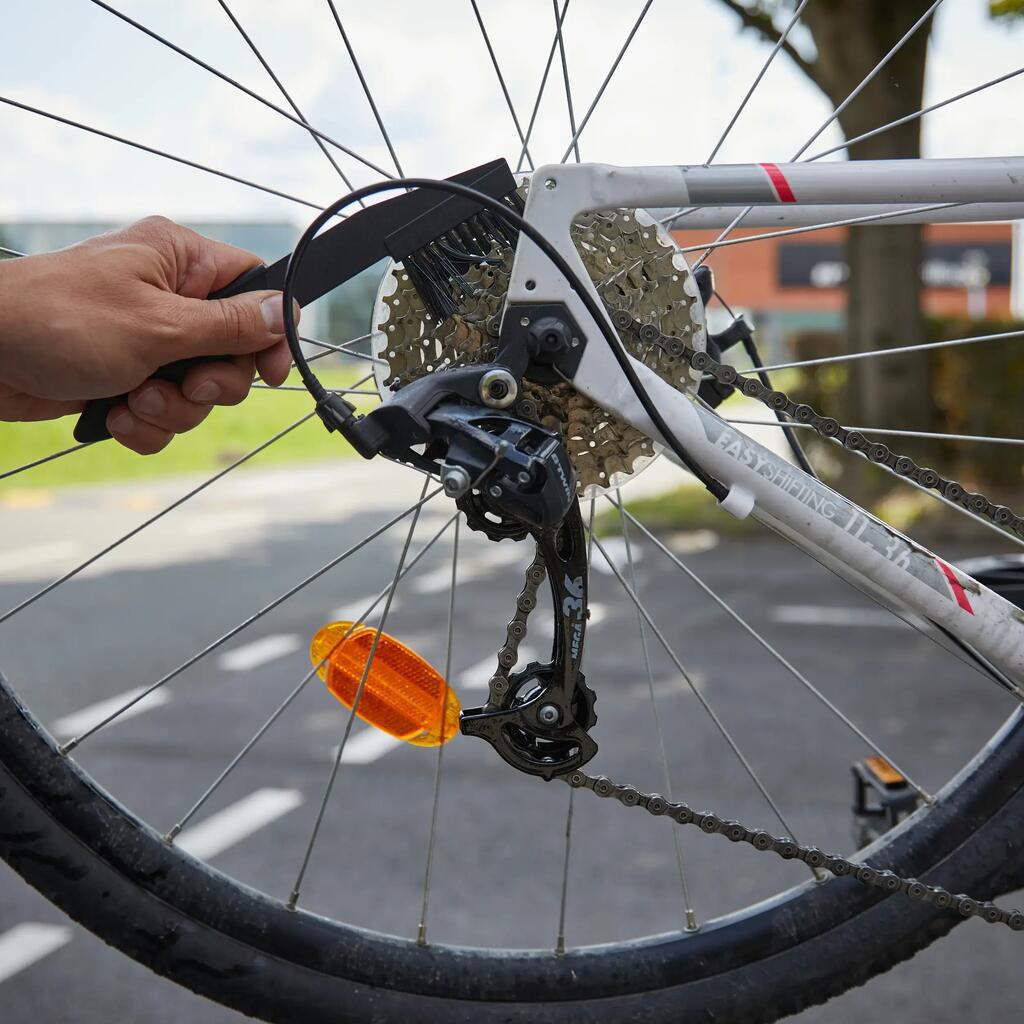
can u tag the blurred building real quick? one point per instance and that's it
(796, 284)
(342, 315)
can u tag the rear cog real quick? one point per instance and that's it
(635, 266)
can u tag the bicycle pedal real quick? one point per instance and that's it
(882, 798)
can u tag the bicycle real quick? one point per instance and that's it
(507, 295)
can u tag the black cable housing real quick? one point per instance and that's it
(335, 411)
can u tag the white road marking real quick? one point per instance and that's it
(816, 615)
(259, 652)
(366, 746)
(477, 676)
(22, 558)
(82, 721)
(616, 548)
(237, 822)
(354, 610)
(24, 944)
(471, 567)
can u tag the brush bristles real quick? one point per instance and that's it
(437, 270)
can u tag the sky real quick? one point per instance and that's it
(679, 83)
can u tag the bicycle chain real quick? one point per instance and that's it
(516, 631)
(712, 824)
(825, 426)
(789, 849)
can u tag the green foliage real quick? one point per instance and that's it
(1006, 10)
(688, 508)
(228, 434)
(978, 390)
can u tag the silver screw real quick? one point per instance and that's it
(523, 477)
(498, 389)
(494, 491)
(455, 481)
(548, 714)
(550, 183)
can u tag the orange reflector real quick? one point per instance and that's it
(884, 772)
(404, 695)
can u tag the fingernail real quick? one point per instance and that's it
(273, 314)
(149, 402)
(206, 393)
(123, 424)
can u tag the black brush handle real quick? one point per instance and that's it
(92, 424)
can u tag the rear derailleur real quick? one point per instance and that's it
(512, 478)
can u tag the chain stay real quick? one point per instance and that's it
(825, 426)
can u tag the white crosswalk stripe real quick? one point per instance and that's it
(818, 615)
(82, 721)
(24, 944)
(239, 821)
(259, 652)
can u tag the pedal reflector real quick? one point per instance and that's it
(404, 695)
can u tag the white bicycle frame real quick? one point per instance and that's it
(857, 546)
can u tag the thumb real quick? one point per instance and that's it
(238, 325)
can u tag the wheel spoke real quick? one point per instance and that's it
(245, 623)
(541, 87)
(866, 219)
(421, 931)
(280, 709)
(769, 648)
(46, 458)
(866, 81)
(877, 353)
(757, 81)
(688, 679)
(293, 897)
(366, 87)
(501, 82)
(692, 924)
(685, 211)
(565, 78)
(302, 387)
(560, 938)
(343, 349)
(287, 95)
(738, 219)
(981, 438)
(11, 253)
(237, 85)
(72, 573)
(917, 114)
(157, 152)
(607, 79)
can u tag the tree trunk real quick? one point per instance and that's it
(883, 293)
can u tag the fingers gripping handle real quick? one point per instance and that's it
(92, 424)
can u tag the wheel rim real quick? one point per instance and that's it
(576, 131)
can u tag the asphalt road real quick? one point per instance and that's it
(190, 578)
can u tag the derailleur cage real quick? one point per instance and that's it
(538, 720)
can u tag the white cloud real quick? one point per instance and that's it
(667, 103)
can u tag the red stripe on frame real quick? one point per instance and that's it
(780, 183)
(958, 590)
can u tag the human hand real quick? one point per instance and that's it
(100, 317)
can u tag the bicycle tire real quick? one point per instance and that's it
(117, 877)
